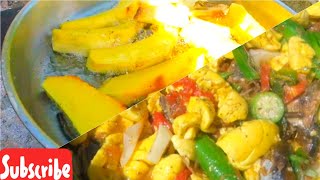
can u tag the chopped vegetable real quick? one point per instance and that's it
(190, 88)
(297, 160)
(267, 105)
(160, 144)
(289, 28)
(277, 88)
(291, 92)
(184, 174)
(265, 77)
(225, 75)
(313, 39)
(261, 56)
(236, 87)
(285, 75)
(242, 60)
(159, 119)
(282, 77)
(213, 160)
(130, 139)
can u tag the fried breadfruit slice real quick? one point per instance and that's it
(80, 41)
(164, 13)
(84, 105)
(131, 87)
(124, 10)
(131, 57)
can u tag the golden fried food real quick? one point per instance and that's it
(131, 87)
(85, 106)
(81, 41)
(135, 56)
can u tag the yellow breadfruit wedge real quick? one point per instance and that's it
(131, 57)
(264, 12)
(314, 10)
(131, 87)
(247, 143)
(81, 41)
(85, 106)
(243, 26)
(161, 12)
(125, 9)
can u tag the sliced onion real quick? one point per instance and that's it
(259, 56)
(160, 144)
(130, 139)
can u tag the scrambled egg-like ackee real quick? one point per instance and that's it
(268, 41)
(300, 54)
(185, 147)
(207, 111)
(231, 106)
(186, 125)
(296, 53)
(258, 135)
(168, 168)
(138, 166)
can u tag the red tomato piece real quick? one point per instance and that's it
(159, 119)
(184, 174)
(291, 92)
(265, 77)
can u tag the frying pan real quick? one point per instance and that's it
(28, 58)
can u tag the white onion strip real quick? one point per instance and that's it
(130, 139)
(160, 144)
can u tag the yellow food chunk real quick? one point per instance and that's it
(138, 112)
(300, 54)
(154, 102)
(113, 125)
(302, 18)
(131, 57)
(231, 106)
(279, 62)
(85, 106)
(168, 168)
(206, 110)
(138, 166)
(247, 143)
(81, 41)
(185, 147)
(131, 87)
(314, 10)
(250, 174)
(253, 172)
(124, 10)
(243, 26)
(269, 40)
(264, 12)
(185, 124)
(106, 161)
